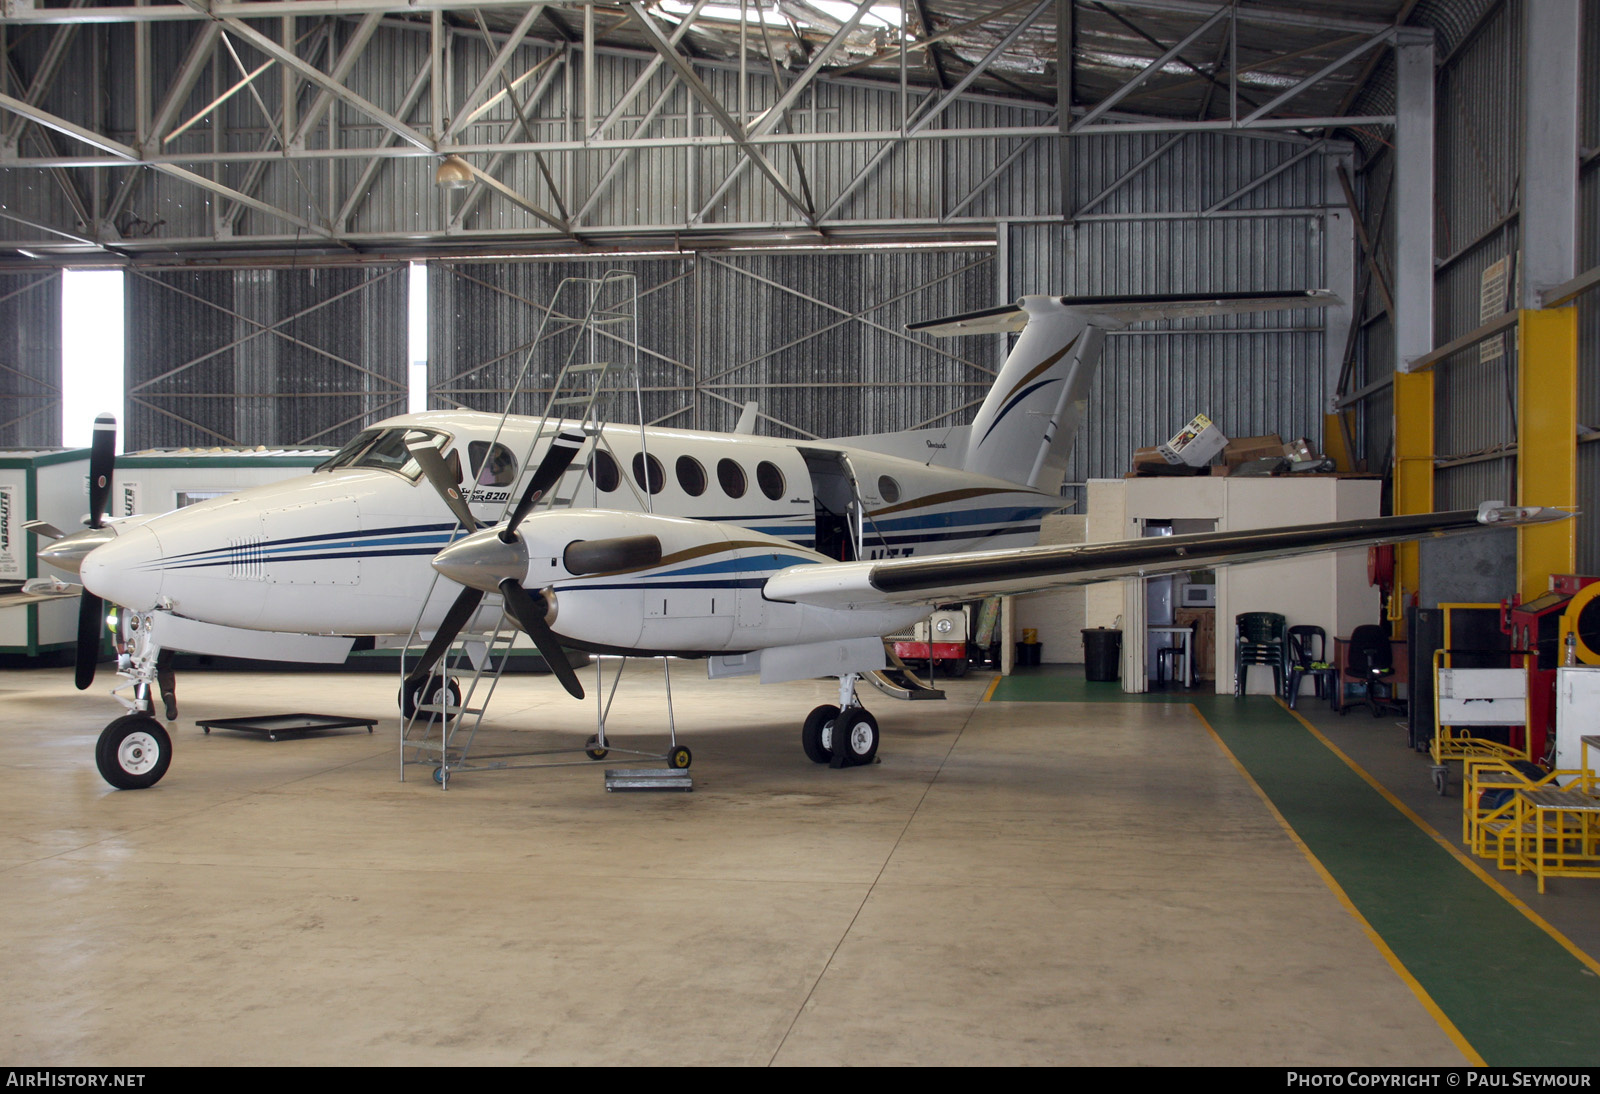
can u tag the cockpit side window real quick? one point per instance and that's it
(352, 448)
(500, 469)
(385, 449)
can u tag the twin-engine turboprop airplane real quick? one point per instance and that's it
(763, 556)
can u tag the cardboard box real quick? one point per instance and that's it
(1195, 444)
(1245, 449)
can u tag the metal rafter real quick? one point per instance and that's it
(729, 124)
(122, 151)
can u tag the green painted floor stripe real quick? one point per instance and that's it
(1515, 994)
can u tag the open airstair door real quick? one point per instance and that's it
(835, 502)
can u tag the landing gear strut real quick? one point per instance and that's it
(134, 751)
(841, 736)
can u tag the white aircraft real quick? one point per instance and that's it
(763, 556)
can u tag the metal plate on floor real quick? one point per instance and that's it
(647, 778)
(274, 724)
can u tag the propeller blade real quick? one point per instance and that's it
(102, 461)
(90, 611)
(557, 458)
(454, 620)
(529, 612)
(432, 463)
(43, 529)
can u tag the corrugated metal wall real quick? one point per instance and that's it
(30, 359)
(262, 355)
(818, 340)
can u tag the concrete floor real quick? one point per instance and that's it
(1015, 883)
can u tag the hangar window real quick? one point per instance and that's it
(691, 476)
(647, 473)
(770, 479)
(730, 476)
(605, 472)
(499, 470)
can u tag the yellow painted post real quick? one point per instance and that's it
(1547, 441)
(1413, 464)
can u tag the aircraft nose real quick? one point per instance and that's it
(68, 552)
(126, 571)
(483, 560)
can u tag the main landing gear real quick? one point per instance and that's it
(841, 736)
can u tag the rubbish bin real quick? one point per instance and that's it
(1028, 653)
(1102, 654)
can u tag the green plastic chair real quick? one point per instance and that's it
(1259, 640)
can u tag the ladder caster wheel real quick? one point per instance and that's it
(592, 749)
(438, 775)
(679, 758)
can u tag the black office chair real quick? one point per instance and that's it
(1308, 656)
(1371, 663)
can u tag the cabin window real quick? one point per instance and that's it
(730, 476)
(500, 469)
(888, 489)
(691, 476)
(648, 474)
(605, 472)
(770, 479)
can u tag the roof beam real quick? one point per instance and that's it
(729, 124)
(983, 63)
(496, 66)
(1149, 70)
(122, 151)
(323, 80)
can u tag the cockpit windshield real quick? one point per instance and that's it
(384, 449)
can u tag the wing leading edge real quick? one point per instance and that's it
(939, 578)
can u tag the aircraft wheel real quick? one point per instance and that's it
(411, 698)
(679, 758)
(133, 752)
(592, 749)
(816, 735)
(857, 733)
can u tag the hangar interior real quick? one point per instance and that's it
(1041, 868)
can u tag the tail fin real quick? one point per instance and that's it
(1024, 431)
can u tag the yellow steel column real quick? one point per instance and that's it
(1547, 441)
(1413, 464)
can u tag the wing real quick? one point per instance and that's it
(940, 578)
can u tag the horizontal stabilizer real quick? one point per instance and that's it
(1112, 312)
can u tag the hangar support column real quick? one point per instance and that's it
(1547, 339)
(1413, 288)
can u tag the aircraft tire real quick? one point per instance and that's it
(857, 733)
(411, 698)
(133, 752)
(816, 734)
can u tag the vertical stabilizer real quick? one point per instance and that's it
(1024, 431)
(1025, 428)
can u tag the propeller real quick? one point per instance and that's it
(563, 448)
(102, 461)
(528, 612)
(438, 472)
(531, 612)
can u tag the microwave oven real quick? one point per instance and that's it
(1198, 596)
